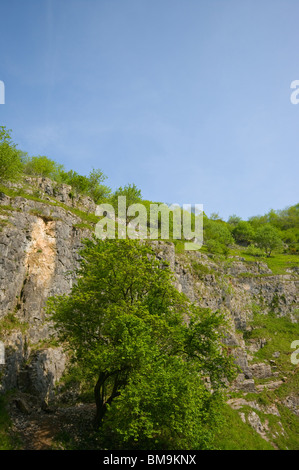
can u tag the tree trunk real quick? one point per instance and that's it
(99, 400)
(99, 395)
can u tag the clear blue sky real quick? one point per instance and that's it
(188, 99)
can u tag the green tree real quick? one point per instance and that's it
(243, 233)
(90, 185)
(146, 348)
(214, 246)
(217, 236)
(268, 239)
(132, 194)
(11, 166)
(215, 216)
(42, 166)
(233, 220)
(291, 238)
(96, 189)
(219, 231)
(253, 250)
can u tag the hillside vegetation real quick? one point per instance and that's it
(260, 236)
(247, 269)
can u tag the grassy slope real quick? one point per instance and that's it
(7, 440)
(284, 429)
(237, 435)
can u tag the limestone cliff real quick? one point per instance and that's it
(39, 244)
(41, 228)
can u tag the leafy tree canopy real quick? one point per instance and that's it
(132, 194)
(10, 157)
(147, 349)
(234, 220)
(243, 233)
(217, 236)
(268, 239)
(91, 185)
(41, 166)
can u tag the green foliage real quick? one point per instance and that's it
(237, 435)
(291, 238)
(3, 223)
(254, 250)
(90, 219)
(83, 226)
(6, 441)
(268, 239)
(179, 246)
(214, 246)
(90, 185)
(130, 191)
(286, 221)
(233, 220)
(217, 236)
(282, 219)
(39, 213)
(10, 157)
(7, 209)
(42, 166)
(96, 190)
(215, 216)
(164, 407)
(14, 164)
(243, 233)
(215, 230)
(125, 323)
(280, 333)
(200, 270)
(288, 440)
(10, 322)
(132, 194)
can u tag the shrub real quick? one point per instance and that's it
(268, 239)
(10, 158)
(253, 250)
(42, 166)
(243, 233)
(214, 246)
(88, 185)
(217, 231)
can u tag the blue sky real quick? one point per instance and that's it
(189, 100)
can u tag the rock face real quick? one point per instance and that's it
(38, 247)
(233, 288)
(40, 236)
(45, 369)
(261, 371)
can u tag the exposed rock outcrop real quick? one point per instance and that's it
(38, 248)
